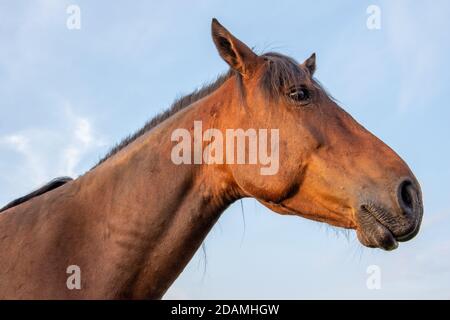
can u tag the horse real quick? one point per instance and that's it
(133, 221)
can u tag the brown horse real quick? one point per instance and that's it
(133, 222)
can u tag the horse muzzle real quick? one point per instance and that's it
(379, 227)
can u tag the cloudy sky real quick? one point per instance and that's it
(68, 95)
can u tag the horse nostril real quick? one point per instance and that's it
(406, 195)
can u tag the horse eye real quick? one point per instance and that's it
(300, 95)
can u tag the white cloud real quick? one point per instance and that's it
(21, 144)
(46, 153)
(83, 141)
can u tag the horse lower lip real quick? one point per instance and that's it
(407, 236)
(379, 239)
(393, 245)
(388, 240)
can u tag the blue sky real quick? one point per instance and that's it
(68, 95)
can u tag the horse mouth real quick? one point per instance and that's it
(378, 231)
(377, 236)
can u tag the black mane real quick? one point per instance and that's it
(53, 184)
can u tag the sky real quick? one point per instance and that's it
(67, 95)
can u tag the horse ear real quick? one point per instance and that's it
(310, 64)
(236, 53)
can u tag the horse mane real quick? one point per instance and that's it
(176, 106)
(53, 184)
(282, 70)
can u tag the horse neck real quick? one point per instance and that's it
(156, 214)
